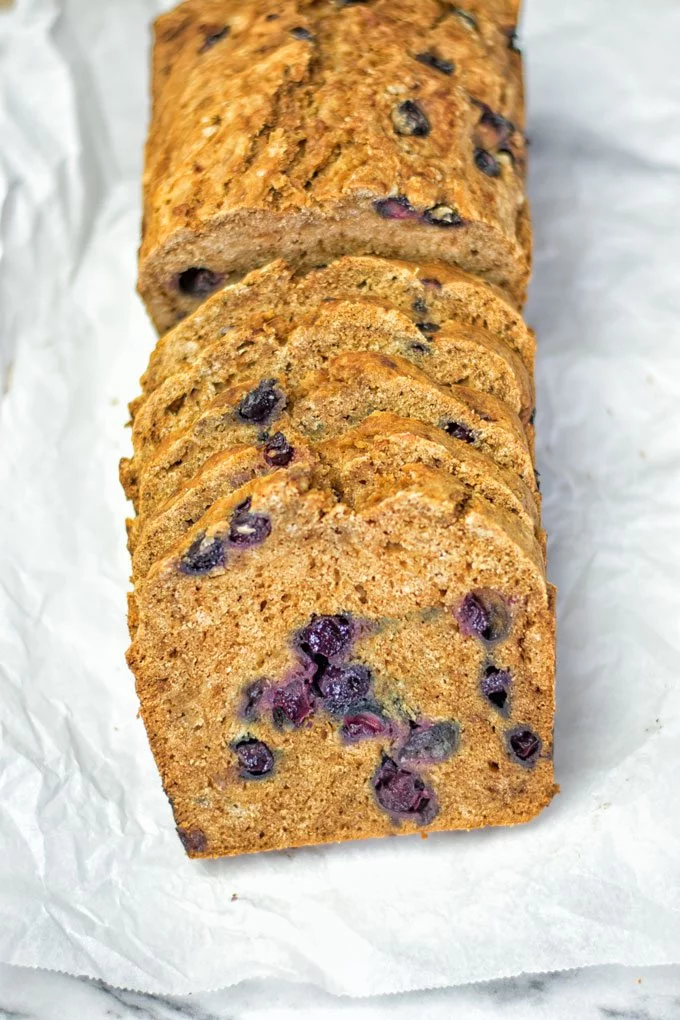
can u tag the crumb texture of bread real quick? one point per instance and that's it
(390, 127)
(341, 626)
(338, 713)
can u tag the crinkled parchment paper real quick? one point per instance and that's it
(92, 877)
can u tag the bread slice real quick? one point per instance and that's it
(311, 671)
(352, 386)
(327, 403)
(384, 443)
(152, 536)
(433, 295)
(451, 356)
(381, 445)
(334, 128)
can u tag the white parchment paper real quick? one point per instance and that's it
(92, 877)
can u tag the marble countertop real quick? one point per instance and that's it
(598, 993)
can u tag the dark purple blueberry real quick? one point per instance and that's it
(341, 687)
(503, 128)
(259, 405)
(523, 745)
(363, 725)
(277, 451)
(431, 743)
(213, 38)
(203, 555)
(351, 3)
(420, 348)
(328, 637)
(292, 704)
(457, 430)
(466, 17)
(199, 282)
(442, 216)
(431, 283)
(473, 617)
(396, 208)
(496, 687)
(303, 34)
(247, 528)
(427, 327)
(403, 793)
(254, 758)
(435, 62)
(484, 614)
(409, 118)
(194, 841)
(419, 306)
(487, 163)
(252, 696)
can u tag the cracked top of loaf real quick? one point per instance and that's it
(386, 127)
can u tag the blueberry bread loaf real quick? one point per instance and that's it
(307, 130)
(317, 666)
(340, 620)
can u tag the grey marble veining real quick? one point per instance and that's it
(598, 993)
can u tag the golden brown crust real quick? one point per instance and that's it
(383, 443)
(255, 150)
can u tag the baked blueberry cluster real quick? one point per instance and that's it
(326, 678)
(246, 528)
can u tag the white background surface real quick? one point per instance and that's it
(92, 879)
